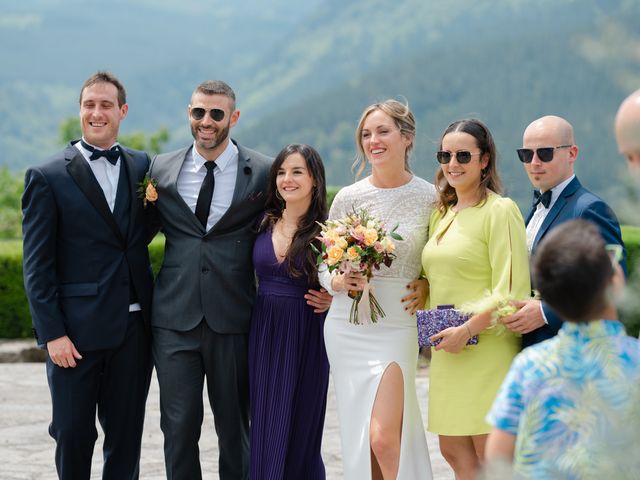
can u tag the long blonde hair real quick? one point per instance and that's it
(402, 117)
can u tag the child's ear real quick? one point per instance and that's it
(618, 283)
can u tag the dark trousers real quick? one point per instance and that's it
(116, 382)
(183, 360)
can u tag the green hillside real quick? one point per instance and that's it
(303, 72)
(507, 63)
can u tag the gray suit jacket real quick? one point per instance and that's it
(207, 274)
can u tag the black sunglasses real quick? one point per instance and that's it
(462, 156)
(198, 113)
(545, 154)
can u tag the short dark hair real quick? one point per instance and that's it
(572, 271)
(105, 77)
(217, 87)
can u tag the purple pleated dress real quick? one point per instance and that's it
(289, 374)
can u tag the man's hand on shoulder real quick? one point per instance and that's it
(527, 319)
(320, 300)
(63, 352)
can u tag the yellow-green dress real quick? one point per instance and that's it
(471, 254)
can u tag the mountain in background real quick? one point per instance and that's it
(303, 72)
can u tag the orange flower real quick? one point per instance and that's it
(334, 255)
(352, 253)
(370, 236)
(150, 194)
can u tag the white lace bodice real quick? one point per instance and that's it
(408, 206)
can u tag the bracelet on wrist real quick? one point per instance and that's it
(468, 329)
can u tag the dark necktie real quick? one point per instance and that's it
(206, 194)
(543, 198)
(111, 155)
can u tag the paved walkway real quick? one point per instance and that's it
(27, 451)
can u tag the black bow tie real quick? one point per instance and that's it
(543, 198)
(111, 155)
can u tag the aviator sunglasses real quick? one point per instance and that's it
(198, 113)
(462, 156)
(545, 154)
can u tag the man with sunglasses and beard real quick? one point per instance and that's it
(210, 195)
(548, 155)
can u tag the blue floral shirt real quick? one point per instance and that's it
(574, 404)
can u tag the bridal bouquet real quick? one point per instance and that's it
(358, 243)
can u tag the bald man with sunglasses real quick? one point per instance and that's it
(548, 155)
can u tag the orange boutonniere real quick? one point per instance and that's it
(147, 190)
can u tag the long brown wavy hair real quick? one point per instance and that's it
(489, 179)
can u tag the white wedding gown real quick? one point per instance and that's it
(359, 354)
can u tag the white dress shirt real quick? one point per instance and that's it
(107, 174)
(533, 227)
(193, 172)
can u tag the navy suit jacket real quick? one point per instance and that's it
(77, 261)
(575, 201)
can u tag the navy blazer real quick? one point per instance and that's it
(77, 261)
(575, 201)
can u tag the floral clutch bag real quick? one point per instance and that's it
(435, 320)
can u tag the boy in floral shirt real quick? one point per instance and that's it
(570, 406)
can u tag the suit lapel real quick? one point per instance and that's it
(243, 177)
(243, 180)
(529, 215)
(130, 166)
(87, 183)
(568, 191)
(173, 167)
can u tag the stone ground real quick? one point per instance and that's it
(27, 451)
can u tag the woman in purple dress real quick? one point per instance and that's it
(289, 370)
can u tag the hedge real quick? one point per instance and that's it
(15, 321)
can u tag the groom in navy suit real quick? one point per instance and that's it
(548, 155)
(88, 281)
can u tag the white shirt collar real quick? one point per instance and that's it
(223, 160)
(557, 190)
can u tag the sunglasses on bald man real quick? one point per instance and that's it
(545, 154)
(198, 113)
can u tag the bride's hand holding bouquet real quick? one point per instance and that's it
(355, 246)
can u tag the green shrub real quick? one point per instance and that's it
(15, 321)
(630, 307)
(156, 253)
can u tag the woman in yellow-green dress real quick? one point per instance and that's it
(476, 251)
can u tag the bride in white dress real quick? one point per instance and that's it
(374, 366)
